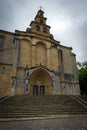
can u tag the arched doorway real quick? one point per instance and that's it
(40, 83)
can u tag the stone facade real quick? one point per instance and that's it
(34, 63)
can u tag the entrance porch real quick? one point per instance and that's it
(40, 83)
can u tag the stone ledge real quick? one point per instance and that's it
(40, 117)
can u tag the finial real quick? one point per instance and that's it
(40, 8)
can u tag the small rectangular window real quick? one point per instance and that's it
(37, 27)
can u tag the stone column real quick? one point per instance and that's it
(13, 84)
(48, 57)
(26, 81)
(26, 87)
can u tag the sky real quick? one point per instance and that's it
(67, 18)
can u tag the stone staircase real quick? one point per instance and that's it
(41, 106)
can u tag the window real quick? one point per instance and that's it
(37, 27)
(15, 42)
(68, 77)
(1, 43)
(41, 21)
(41, 14)
(60, 53)
(44, 30)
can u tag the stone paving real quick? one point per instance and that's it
(65, 123)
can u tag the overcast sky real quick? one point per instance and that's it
(67, 18)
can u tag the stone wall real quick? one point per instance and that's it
(26, 52)
(54, 58)
(25, 56)
(6, 73)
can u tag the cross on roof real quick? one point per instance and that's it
(40, 7)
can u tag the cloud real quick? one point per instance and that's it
(5, 13)
(67, 18)
(73, 28)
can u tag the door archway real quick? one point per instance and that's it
(40, 83)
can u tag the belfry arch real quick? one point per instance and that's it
(40, 83)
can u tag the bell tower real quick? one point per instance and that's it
(39, 24)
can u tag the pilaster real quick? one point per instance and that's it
(33, 55)
(48, 58)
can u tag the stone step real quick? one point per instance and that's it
(28, 106)
(40, 114)
(39, 110)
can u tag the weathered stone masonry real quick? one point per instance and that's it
(32, 62)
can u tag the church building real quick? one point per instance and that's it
(32, 62)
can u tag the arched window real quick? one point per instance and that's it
(44, 30)
(60, 58)
(41, 21)
(37, 27)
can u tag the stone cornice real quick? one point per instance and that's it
(6, 64)
(6, 32)
(35, 35)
